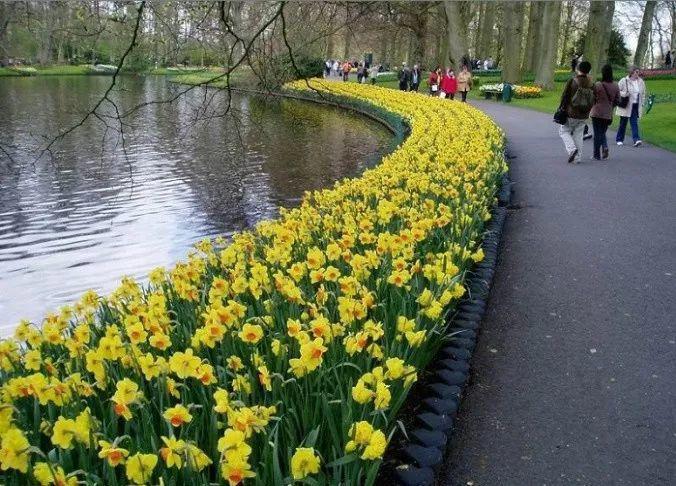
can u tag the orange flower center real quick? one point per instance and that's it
(176, 420)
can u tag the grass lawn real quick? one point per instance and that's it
(657, 127)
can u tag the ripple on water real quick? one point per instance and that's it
(86, 220)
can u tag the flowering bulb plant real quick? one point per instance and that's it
(282, 355)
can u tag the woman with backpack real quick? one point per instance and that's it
(576, 103)
(630, 107)
(607, 94)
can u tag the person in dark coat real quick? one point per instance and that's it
(416, 75)
(606, 97)
(404, 77)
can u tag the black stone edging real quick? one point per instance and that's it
(422, 453)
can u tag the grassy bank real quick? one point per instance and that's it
(656, 127)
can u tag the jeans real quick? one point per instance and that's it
(600, 126)
(571, 133)
(464, 95)
(633, 121)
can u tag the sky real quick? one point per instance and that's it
(627, 19)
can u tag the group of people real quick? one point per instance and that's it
(445, 84)
(409, 78)
(365, 71)
(582, 98)
(484, 64)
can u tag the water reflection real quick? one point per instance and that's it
(93, 214)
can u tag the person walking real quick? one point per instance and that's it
(464, 82)
(434, 80)
(360, 73)
(373, 73)
(346, 70)
(573, 63)
(404, 77)
(449, 85)
(577, 100)
(631, 104)
(668, 62)
(416, 74)
(606, 95)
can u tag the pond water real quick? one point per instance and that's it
(98, 209)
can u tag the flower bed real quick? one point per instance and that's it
(519, 91)
(282, 355)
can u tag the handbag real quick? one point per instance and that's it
(624, 100)
(560, 116)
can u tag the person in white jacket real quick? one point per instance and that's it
(633, 93)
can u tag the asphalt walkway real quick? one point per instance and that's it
(574, 377)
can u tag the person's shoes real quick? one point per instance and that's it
(604, 153)
(620, 143)
(594, 158)
(587, 136)
(638, 143)
(572, 156)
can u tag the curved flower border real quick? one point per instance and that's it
(282, 355)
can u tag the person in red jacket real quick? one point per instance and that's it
(434, 80)
(449, 85)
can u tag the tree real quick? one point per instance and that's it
(617, 53)
(512, 19)
(595, 46)
(487, 25)
(551, 16)
(455, 30)
(533, 36)
(644, 33)
(607, 30)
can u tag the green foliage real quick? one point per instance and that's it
(618, 52)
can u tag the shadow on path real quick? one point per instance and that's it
(574, 377)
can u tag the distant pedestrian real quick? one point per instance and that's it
(415, 77)
(346, 70)
(360, 73)
(373, 73)
(606, 95)
(464, 82)
(668, 62)
(336, 68)
(577, 100)
(486, 61)
(434, 80)
(327, 68)
(630, 107)
(573, 63)
(404, 77)
(449, 85)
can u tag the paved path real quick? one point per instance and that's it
(574, 378)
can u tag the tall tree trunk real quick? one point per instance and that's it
(567, 26)
(457, 41)
(551, 17)
(533, 40)
(487, 24)
(607, 30)
(384, 43)
(593, 44)
(477, 32)
(512, 23)
(330, 46)
(673, 28)
(419, 38)
(348, 42)
(644, 34)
